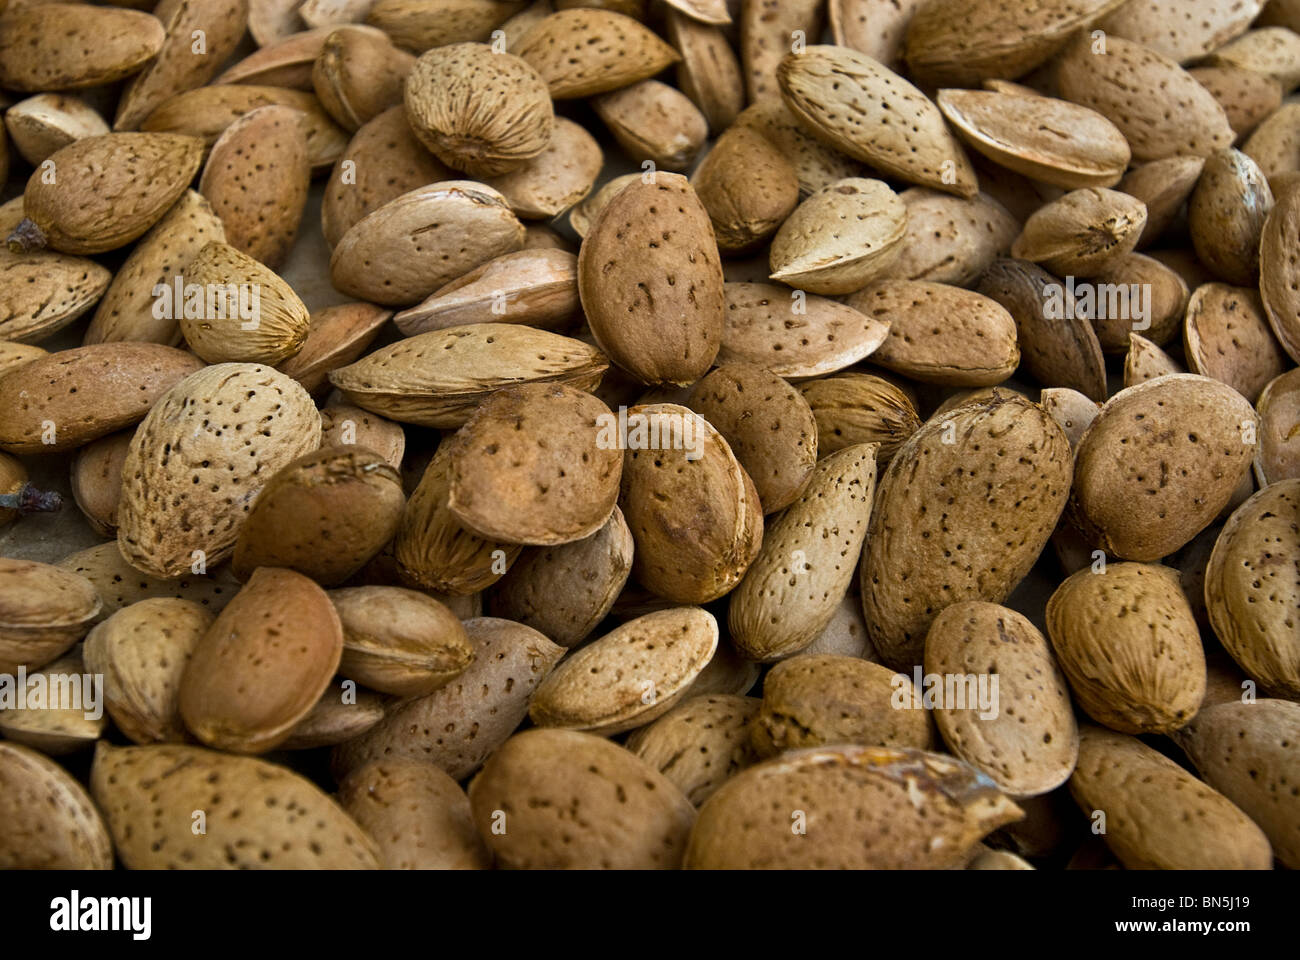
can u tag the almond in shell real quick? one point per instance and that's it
(50, 821)
(63, 46)
(44, 610)
(336, 337)
(1279, 430)
(1279, 267)
(1226, 336)
(700, 743)
(653, 121)
(709, 72)
(747, 187)
(42, 124)
(852, 408)
(1083, 232)
(768, 28)
(587, 51)
(97, 480)
(557, 178)
(359, 74)
(952, 239)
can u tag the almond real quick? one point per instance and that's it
(120, 585)
(458, 726)
(874, 27)
(1247, 97)
(1083, 232)
(853, 408)
(256, 814)
(263, 663)
(1226, 336)
(359, 74)
(400, 641)
(709, 72)
(768, 29)
(55, 729)
(1278, 267)
(420, 25)
(1146, 361)
(951, 239)
(630, 676)
(142, 652)
(816, 164)
(747, 187)
(700, 743)
(285, 62)
(70, 45)
(651, 281)
(998, 511)
(97, 480)
(1197, 430)
(584, 52)
(847, 99)
(256, 179)
(336, 337)
(557, 178)
(807, 560)
(653, 121)
(1279, 430)
(1226, 216)
(50, 821)
(1249, 595)
(409, 247)
(44, 610)
(47, 122)
(1164, 186)
(229, 426)
(1179, 29)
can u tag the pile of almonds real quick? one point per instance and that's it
(878, 453)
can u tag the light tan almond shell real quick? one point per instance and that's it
(961, 42)
(1272, 51)
(998, 512)
(1083, 232)
(86, 393)
(256, 179)
(1279, 430)
(47, 122)
(586, 51)
(408, 248)
(14, 355)
(1145, 361)
(418, 816)
(874, 27)
(1159, 286)
(1247, 97)
(1053, 141)
(120, 585)
(1247, 752)
(633, 817)
(63, 46)
(1057, 345)
(141, 651)
(768, 30)
(748, 188)
(651, 281)
(653, 121)
(185, 437)
(270, 21)
(941, 334)
(878, 808)
(1164, 186)
(50, 821)
(693, 511)
(1226, 216)
(179, 64)
(1160, 109)
(42, 292)
(286, 62)
(816, 164)
(447, 103)
(584, 214)
(52, 728)
(97, 480)
(728, 673)
(840, 239)
(400, 641)
(852, 408)
(44, 610)
(630, 676)
(344, 426)
(458, 726)
(768, 425)
(1128, 642)
(1159, 816)
(565, 592)
(342, 713)
(433, 551)
(248, 315)
(1275, 144)
(258, 815)
(420, 25)
(206, 111)
(709, 72)
(537, 288)
(847, 99)
(263, 664)
(700, 743)
(1141, 498)
(1250, 593)
(807, 561)
(951, 239)
(325, 515)
(474, 360)
(1182, 30)
(703, 11)
(813, 700)
(108, 190)
(557, 178)
(537, 464)
(127, 310)
(1029, 742)
(1226, 336)
(764, 326)
(1279, 267)
(336, 337)
(359, 74)
(386, 161)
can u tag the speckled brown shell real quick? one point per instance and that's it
(44, 610)
(50, 821)
(699, 743)
(587, 51)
